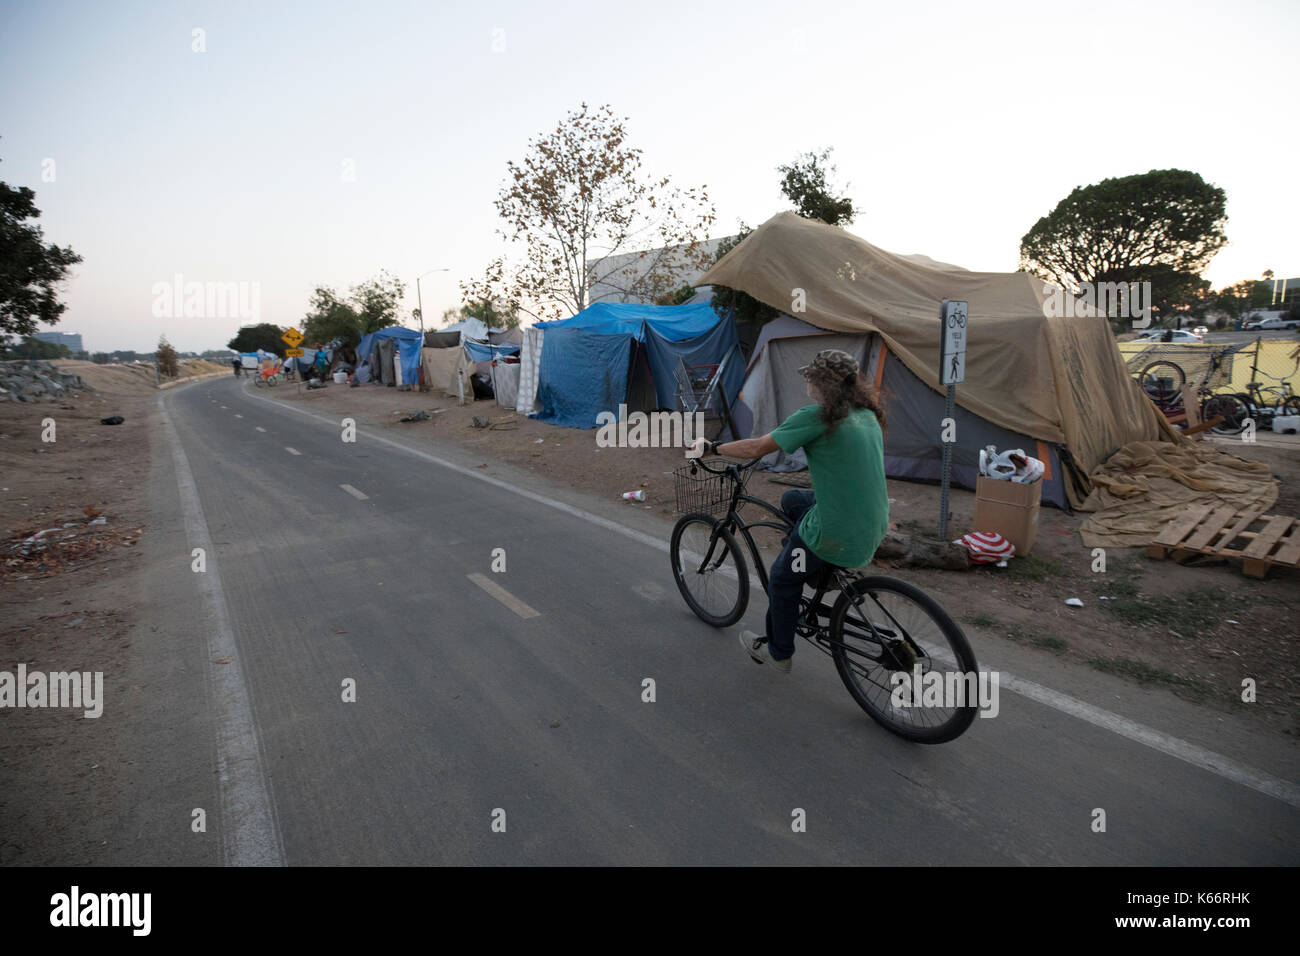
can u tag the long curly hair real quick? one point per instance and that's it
(840, 398)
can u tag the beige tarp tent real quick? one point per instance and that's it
(1058, 379)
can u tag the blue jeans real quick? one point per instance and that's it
(785, 584)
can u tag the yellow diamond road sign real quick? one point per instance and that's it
(293, 337)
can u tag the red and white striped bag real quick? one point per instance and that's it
(986, 547)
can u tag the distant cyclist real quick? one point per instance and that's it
(845, 516)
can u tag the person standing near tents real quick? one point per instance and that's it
(845, 516)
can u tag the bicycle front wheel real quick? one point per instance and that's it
(905, 660)
(709, 569)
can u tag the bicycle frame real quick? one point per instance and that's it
(811, 609)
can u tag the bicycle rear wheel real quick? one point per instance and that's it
(1233, 410)
(709, 569)
(1161, 381)
(882, 628)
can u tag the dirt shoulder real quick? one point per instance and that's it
(66, 606)
(1196, 632)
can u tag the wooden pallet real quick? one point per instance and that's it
(1222, 531)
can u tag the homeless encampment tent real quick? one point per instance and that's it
(376, 351)
(613, 354)
(454, 354)
(1037, 377)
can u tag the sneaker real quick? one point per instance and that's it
(756, 647)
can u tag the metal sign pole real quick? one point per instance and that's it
(948, 406)
(952, 369)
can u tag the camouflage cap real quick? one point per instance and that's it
(832, 365)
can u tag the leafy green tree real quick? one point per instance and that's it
(250, 338)
(805, 182)
(491, 315)
(1245, 296)
(370, 306)
(30, 270)
(376, 301)
(683, 294)
(35, 349)
(168, 365)
(1161, 227)
(328, 317)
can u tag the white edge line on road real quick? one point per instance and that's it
(250, 834)
(359, 495)
(1173, 746)
(292, 451)
(504, 596)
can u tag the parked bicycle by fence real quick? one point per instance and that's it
(1163, 382)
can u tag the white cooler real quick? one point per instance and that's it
(1286, 423)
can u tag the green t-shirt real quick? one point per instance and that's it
(851, 515)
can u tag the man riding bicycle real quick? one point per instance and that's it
(845, 516)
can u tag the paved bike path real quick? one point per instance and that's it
(464, 708)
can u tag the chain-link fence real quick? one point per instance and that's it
(1270, 366)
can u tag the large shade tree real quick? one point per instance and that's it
(264, 336)
(368, 307)
(1161, 227)
(30, 270)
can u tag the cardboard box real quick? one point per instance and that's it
(1009, 509)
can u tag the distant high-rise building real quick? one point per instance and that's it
(71, 339)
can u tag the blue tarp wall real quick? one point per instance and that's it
(488, 353)
(586, 358)
(408, 342)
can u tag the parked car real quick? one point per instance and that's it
(1202, 331)
(1278, 323)
(1178, 335)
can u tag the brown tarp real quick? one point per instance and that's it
(1145, 484)
(1060, 379)
(440, 367)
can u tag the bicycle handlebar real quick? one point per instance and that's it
(728, 469)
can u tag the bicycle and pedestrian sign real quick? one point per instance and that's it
(952, 346)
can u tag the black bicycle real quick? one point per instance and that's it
(877, 629)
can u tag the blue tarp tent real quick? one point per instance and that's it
(482, 352)
(612, 354)
(408, 342)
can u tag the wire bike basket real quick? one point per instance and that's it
(703, 491)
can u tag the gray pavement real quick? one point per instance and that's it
(464, 709)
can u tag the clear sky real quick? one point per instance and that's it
(954, 125)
